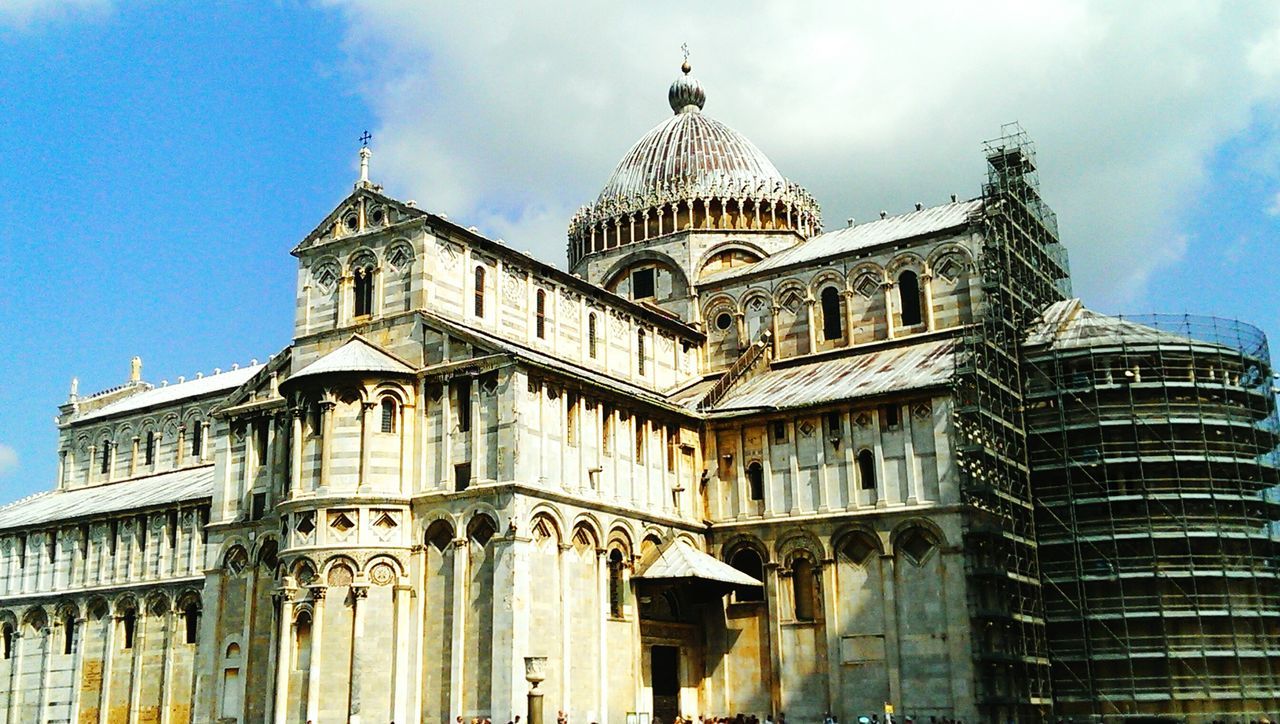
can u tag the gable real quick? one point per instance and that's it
(364, 210)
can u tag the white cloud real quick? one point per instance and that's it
(8, 459)
(510, 119)
(22, 14)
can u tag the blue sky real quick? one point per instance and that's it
(160, 159)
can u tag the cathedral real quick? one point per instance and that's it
(728, 462)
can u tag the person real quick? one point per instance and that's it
(826, 719)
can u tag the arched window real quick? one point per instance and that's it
(749, 562)
(7, 644)
(909, 297)
(803, 590)
(616, 590)
(479, 291)
(591, 335)
(755, 480)
(68, 633)
(541, 326)
(197, 439)
(388, 415)
(127, 622)
(832, 322)
(363, 292)
(191, 618)
(302, 643)
(866, 470)
(106, 457)
(640, 350)
(149, 452)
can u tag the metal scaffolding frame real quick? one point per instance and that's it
(1023, 269)
(1153, 453)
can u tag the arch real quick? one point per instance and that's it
(824, 278)
(439, 533)
(593, 334)
(938, 536)
(157, 604)
(481, 529)
(755, 480)
(679, 280)
(620, 538)
(729, 245)
(362, 259)
(479, 290)
(387, 388)
(857, 544)
(797, 542)
(383, 570)
(304, 570)
(267, 554)
(866, 461)
(949, 249)
(235, 560)
(617, 591)
(804, 589)
(339, 570)
(588, 523)
(747, 559)
(35, 618)
(97, 608)
(540, 313)
(902, 261)
(717, 301)
(7, 630)
(400, 255)
(124, 603)
(388, 413)
(751, 295)
(651, 541)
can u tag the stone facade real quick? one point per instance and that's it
(466, 457)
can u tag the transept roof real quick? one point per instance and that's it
(130, 495)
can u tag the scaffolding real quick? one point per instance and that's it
(1023, 269)
(1153, 451)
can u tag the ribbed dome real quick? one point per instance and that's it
(690, 172)
(692, 152)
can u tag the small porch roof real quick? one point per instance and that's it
(677, 560)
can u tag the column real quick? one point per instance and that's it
(139, 643)
(458, 631)
(166, 663)
(602, 639)
(133, 457)
(478, 462)
(850, 463)
(108, 656)
(773, 327)
(893, 656)
(562, 559)
(402, 600)
(926, 280)
(793, 437)
(284, 655)
(881, 493)
(887, 286)
(317, 631)
(295, 451)
(326, 443)
(46, 660)
(812, 328)
(909, 453)
(408, 433)
(774, 613)
(824, 473)
(831, 624)
(366, 441)
(15, 674)
(77, 666)
(359, 592)
(849, 319)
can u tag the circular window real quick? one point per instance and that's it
(375, 216)
(723, 321)
(351, 222)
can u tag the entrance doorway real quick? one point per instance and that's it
(664, 672)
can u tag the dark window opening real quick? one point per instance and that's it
(112, 535)
(127, 622)
(479, 309)
(541, 326)
(803, 589)
(892, 416)
(197, 439)
(832, 324)
(749, 562)
(723, 321)
(106, 457)
(833, 424)
(462, 393)
(909, 297)
(755, 480)
(388, 415)
(191, 617)
(591, 335)
(259, 508)
(8, 641)
(672, 436)
(571, 424)
(615, 583)
(317, 419)
(149, 451)
(68, 634)
(642, 286)
(364, 292)
(866, 470)
(461, 476)
(639, 440)
(171, 527)
(606, 429)
(260, 433)
(779, 431)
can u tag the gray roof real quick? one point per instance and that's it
(158, 396)
(136, 494)
(357, 355)
(892, 369)
(1070, 325)
(873, 233)
(682, 561)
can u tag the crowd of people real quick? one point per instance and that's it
(563, 718)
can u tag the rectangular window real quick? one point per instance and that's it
(642, 286)
(106, 457)
(197, 439)
(779, 431)
(463, 412)
(172, 528)
(461, 476)
(541, 322)
(591, 335)
(640, 355)
(833, 424)
(150, 450)
(892, 416)
(672, 435)
(259, 506)
(260, 432)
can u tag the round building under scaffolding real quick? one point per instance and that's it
(1152, 443)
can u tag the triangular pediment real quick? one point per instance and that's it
(258, 389)
(364, 210)
(357, 355)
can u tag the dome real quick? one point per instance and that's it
(690, 172)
